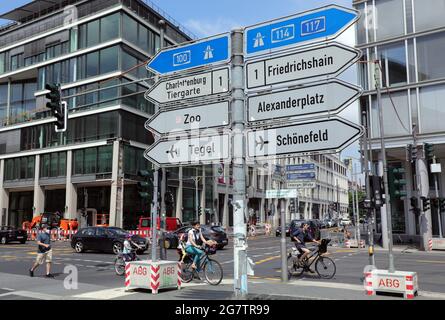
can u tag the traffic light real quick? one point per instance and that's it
(442, 204)
(414, 204)
(200, 211)
(58, 107)
(428, 150)
(375, 182)
(145, 185)
(411, 153)
(396, 182)
(426, 205)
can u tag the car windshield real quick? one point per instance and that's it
(218, 229)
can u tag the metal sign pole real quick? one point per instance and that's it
(239, 194)
(385, 169)
(154, 216)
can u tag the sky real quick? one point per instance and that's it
(207, 18)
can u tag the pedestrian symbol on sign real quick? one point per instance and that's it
(259, 42)
(208, 53)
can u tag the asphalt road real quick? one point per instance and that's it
(96, 272)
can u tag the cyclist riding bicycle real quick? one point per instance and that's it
(300, 236)
(193, 247)
(127, 251)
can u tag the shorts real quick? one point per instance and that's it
(300, 247)
(44, 257)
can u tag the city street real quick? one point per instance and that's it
(97, 279)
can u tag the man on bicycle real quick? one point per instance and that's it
(193, 247)
(300, 235)
(127, 251)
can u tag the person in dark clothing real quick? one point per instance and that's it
(44, 252)
(301, 236)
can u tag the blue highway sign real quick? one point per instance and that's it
(301, 176)
(201, 53)
(300, 167)
(322, 24)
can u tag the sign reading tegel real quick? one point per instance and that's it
(200, 53)
(301, 176)
(321, 24)
(326, 60)
(202, 84)
(329, 97)
(301, 185)
(282, 193)
(194, 150)
(329, 135)
(210, 115)
(300, 167)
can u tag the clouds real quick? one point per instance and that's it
(206, 28)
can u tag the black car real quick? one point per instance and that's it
(278, 231)
(105, 239)
(10, 234)
(314, 227)
(215, 233)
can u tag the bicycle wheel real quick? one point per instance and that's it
(213, 272)
(325, 267)
(293, 268)
(119, 266)
(187, 272)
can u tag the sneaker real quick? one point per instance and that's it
(49, 275)
(310, 270)
(31, 273)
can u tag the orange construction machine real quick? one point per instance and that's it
(52, 220)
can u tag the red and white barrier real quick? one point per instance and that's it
(56, 234)
(347, 243)
(430, 245)
(127, 276)
(401, 282)
(179, 275)
(154, 278)
(142, 233)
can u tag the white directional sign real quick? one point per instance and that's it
(194, 150)
(200, 117)
(329, 135)
(301, 184)
(282, 193)
(197, 85)
(308, 64)
(328, 97)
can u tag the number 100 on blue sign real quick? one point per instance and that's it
(321, 24)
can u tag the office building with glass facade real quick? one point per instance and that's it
(407, 37)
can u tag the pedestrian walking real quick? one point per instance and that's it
(44, 252)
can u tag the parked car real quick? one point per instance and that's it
(278, 231)
(345, 222)
(215, 233)
(11, 234)
(314, 227)
(104, 239)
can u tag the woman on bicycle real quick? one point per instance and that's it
(195, 239)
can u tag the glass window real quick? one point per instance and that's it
(130, 29)
(82, 36)
(143, 38)
(93, 33)
(430, 63)
(429, 14)
(109, 59)
(393, 58)
(92, 64)
(31, 167)
(107, 125)
(392, 125)
(107, 94)
(109, 27)
(432, 111)
(387, 26)
(105, 159)
(62, 164)
(78, 161)
(90, 160)
(44, 167)
(54, 166)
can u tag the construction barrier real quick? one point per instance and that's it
(56, 234)
(436, 244)
(153, 275)
(352, 243)
(401, 282)
(268, 229)
(142, 233)
(252, 231)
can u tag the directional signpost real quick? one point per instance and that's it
(189, 151)
(201, 53)
(213, 115)
(303, 65)
(198, 85)
(323, 136)
(301, 176)
(322, 24)
(329, 97)
(301, 184)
